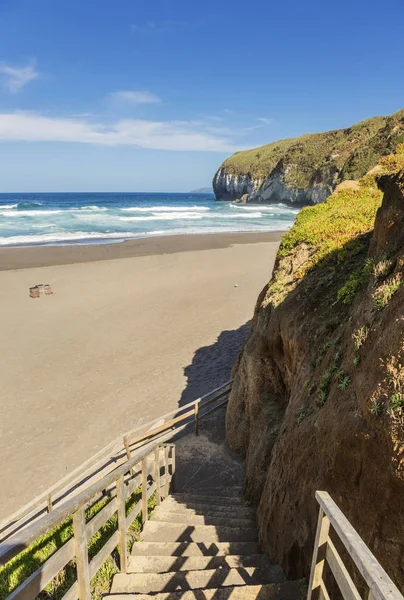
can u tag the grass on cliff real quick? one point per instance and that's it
(259, 161)
(353, 151)
(336, 234)
(17, 570)
(328, 227)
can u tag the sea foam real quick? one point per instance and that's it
(28, 213)
(167, 208)
(164, 217)
(93, 217)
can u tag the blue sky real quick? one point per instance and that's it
(151, 96)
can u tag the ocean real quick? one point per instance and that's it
(71, 218)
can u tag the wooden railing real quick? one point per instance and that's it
(380, 586)
(112, 456)
(151, 470)
(143, 465)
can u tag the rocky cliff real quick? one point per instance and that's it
(307, 169)
(318, 396)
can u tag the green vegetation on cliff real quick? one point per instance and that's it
(334, 232)
(347, 153)
(317, 400)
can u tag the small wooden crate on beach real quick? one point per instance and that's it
(40, 290)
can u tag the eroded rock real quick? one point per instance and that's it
(349, 441)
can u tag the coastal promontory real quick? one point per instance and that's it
(305, 170)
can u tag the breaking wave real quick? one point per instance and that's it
(92, 218)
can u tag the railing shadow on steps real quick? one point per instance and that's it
(142, 459)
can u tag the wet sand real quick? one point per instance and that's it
(44, 256)
(120, 342)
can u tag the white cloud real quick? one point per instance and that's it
(14, 79)
(136, 96)
(263, 122)
(158, 26)
(157, 135)
(214, 118)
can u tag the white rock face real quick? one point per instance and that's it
(274, 189)
(228, 186)
(231, 187)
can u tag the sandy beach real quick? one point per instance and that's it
(131, 331)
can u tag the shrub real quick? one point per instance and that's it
(300, 414)
(360, 336)
(397, 401)
(382, 268)
(344, 381)
(386, 291)
(322, 397)
(376, 408)
(325, 380)
(347, 292)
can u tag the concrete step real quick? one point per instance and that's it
(208, 510)
(163, 564)
(155, 531)
(290, 590)
(182, 517)
(184, 499)
(224, 490)
(186, 549)
(146, 583)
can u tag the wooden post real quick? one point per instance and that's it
(128, 452)
(126, 444)
(196, 418)
(144, 490)
(120, 504)
(81, 554)
(157, 474)
(172, 490)
(166, 473)
(49, 502)
(320, 545)
(323, 594)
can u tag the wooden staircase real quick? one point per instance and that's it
(202, 545)
(199, 544)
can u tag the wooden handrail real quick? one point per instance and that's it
(24, 534)
(381, 587)
(134, 463)
(29, 534)
(103, 462)
(94, 461)
(76, 548)
(206, 399)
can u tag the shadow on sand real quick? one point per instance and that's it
(211, 365)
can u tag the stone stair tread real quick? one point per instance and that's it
(184, 549)
(162, 564)
(202, 544)
(189, 580)
(174, 532)
(183, 498)
(290, 590)
(209, 510)
(214, 489)
(229, 521)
